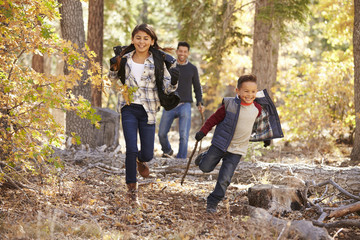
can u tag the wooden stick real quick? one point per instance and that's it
(344, 210)
(188, 164)
(341, 223)
(202, 123)
(330, 181)
(322, 217)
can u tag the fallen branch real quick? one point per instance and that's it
(330, 181)
(338, 224)
(2, 165)
(14, 183)
(103, 167)
(302, 228)
(317, 207)
(344, 210)
(322, 217)
(347, 177)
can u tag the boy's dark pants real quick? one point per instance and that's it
(208, 162)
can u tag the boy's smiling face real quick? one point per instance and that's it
(247, 92)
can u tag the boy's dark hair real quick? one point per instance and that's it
(246, 78)
(183, 44)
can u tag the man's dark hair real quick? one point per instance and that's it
(246, 78)
(184, 44)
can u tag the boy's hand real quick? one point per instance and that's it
(267, 143)
(199, 135)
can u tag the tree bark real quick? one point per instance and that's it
(38, 63)
(275, 198)
(265, 47)
(355, 153)
(95, 42)
(72, 28)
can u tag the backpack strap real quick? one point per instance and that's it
(159, 68)
(159, 59)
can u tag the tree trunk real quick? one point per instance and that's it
(38, 63)
(355, 154)
(144, 12)
(72, 28)
(275, 198)
(265, 47)
(277, 173)
(95, 42)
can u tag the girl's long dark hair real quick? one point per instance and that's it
(148, 29)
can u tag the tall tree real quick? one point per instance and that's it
(355, 154)
(266, 44)
(211, 25)
(28, 129)
(144, 12)
(269, 26)
(72, 28)
(95, 42)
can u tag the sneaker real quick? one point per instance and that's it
(198, 158)
(210, 208)
(168, 155)
(143, 169)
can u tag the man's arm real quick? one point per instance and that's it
(197, 88)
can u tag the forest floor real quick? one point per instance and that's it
(82, 202)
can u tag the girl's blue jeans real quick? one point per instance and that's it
(134, 119)
(208, 162)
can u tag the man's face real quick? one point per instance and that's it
(182, 54)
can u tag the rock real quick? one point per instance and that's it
(108, 134)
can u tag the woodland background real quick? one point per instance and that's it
(54, 61)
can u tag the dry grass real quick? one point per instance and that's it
(94, 206)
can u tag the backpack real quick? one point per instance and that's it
(167, 101)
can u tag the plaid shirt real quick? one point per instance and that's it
(147, 91)
(262, 129)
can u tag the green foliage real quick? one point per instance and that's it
(215, 27)
(284, 11)
(27, 127)
(318, 92)
(221, 29)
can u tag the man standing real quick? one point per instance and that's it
(189, 77)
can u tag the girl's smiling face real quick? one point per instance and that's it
(142, 41)
(247, 92)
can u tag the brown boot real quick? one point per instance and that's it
(132, 194)
(143, 169)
